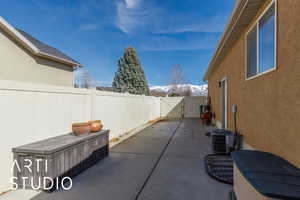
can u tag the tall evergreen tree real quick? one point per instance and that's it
(130, 76)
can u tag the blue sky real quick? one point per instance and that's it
(95, 32)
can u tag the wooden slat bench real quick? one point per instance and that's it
(59, 157)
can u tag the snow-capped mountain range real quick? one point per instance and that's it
(197, 90)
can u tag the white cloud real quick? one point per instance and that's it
(132, 3)
(89, 27)
(141, 15)
(125, 20)
(166, 43)
(208, 25)
(134, 15)
(127, 15)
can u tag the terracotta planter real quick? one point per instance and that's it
(95, 125)
(80, 128)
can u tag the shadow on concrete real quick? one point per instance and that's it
(164, 161)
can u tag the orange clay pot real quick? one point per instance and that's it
(95, 125)
(80, 128)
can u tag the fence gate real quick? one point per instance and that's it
(191, 106)
(172, 107)
(179, 107)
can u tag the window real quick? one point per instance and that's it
(261, 44)
(252, 53)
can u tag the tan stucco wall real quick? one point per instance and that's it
(18, 64)
(269, 105)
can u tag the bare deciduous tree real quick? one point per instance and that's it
(85, 79)
(177, 78)
(186, 92)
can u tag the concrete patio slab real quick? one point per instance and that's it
(162, 162)
(183, 178)
(119, 176)
(151, 140)
(159, 134)
(189, 143)
(164, 125)
(180, 173)
(141, 145)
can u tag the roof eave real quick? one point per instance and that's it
(57, 59)
(31, 47)
(237, 23)
(16, 35)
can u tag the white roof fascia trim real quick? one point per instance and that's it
(31, 46)
(12, 30)
(225, 36)
(40, 53)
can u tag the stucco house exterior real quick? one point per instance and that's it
(256, 69)
(25, 58)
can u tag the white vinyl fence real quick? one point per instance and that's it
(31, 112)
(192, 106)
(179, 107)
(172, 107)
(123, 112)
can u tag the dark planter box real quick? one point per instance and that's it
(65, 156)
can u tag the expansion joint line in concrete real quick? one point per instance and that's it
(157, 162)
(134, 153)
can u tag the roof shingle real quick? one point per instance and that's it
(44, 48)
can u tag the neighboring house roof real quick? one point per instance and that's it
(104, 88)
(244, 12)
(36, 46)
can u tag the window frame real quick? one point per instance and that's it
(256, 25)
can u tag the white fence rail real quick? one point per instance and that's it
(123, 112)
